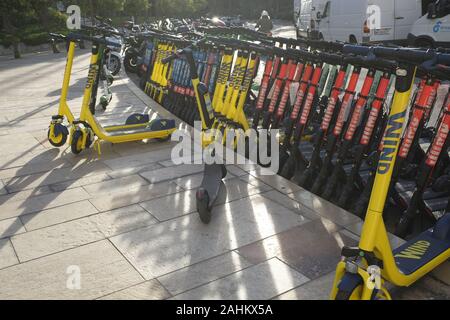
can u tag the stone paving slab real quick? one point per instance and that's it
(317, 289)
(23, 195)
(148, 290)
(133, 196)
(7, 255)
(103, 270)
(127, 220)
(312, 248)
(34, 168)
(262, 281)
(49, 217)
(324, 208)
(115, 185)
(55, 176)
(2, 188)
(182, 203)
(41, 202)
(442, 273)
(118, 173)
(28, 157)
(291, 204)
(171, 173)
(203, 272)
(9, 227)
(174, 244)
(121, 220)
(85, 181)
(138, 160)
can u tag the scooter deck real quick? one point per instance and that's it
(436, 205)
(155, 126)
(406, 190)
(307, 150)
(419, 251)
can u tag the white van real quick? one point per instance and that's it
(361, 21)
(432, 29)
(305, 17)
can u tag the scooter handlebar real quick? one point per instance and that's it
(414, 56)
(105, 31)
(315, 44)
(77, 36)
(180, 52)
(57, 36)
(356, 50)
(380, 64)
(172, 57)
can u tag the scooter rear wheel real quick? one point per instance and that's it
(203, 208)
(224, 171)
(114, 65)
(164, 139)
(76, 144)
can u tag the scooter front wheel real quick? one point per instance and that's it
(355, 294)
(104, 101)
(130, 63)
(203, 207)
(57, 140)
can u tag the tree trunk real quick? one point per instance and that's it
(16, 49)
(10, 30)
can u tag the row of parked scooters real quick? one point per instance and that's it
(332, 109)
(364, 127)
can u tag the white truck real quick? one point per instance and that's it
(362, 21)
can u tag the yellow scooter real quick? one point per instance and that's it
(362, 273)
(86, 129)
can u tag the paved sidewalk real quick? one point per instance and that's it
(126, 221)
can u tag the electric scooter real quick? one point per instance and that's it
(412, 220)
(364, 269)
(86, 130)
(213, 173)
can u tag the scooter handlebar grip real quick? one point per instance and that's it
(380, 64)
(325, 45)
(383, 64)
(355, 60)
(57, 35)
(357, 50)
(169, 58)
(406, 55)
(333, 59)
(443, 58)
